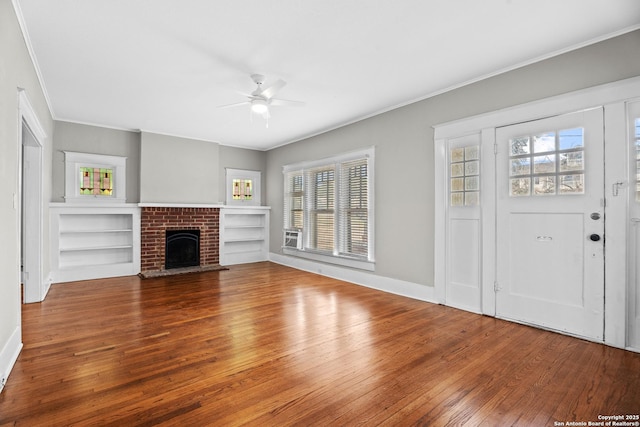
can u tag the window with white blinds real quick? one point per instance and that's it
(320, 201)
(329, 202)
(293, 214)
(353, 210)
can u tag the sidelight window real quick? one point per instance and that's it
(464, 176)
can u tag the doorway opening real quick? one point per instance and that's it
(31, 204)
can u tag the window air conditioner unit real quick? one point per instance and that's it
(293, 239)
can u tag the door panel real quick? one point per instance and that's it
(463, 288)
(546, 249)
(463, 284)
(549, 182)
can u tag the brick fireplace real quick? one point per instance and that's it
(156, 220)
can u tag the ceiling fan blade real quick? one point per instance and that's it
(237, 104)
(285, 103)
(248, 95)
(273, 89)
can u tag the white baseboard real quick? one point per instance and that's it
(363, 278)
(9, 355)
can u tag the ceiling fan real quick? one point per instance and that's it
(262, 98)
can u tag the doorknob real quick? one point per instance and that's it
(594, 237)
(595, 215)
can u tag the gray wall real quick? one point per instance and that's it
(404, 181)
(178, 170)
(95, 140)
(16, 71)
(196, 160)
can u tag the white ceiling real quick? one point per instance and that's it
(164, 66)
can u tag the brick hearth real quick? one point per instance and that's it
(156, 220)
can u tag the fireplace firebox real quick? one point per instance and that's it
(182, 248)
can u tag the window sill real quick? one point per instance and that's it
(343, 261)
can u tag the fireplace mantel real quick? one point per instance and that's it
(180, 205)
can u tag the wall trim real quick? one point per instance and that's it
(359, 277)
(9, 356)
(571, 102)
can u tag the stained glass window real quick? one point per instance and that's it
(242, 189)
(96, 181)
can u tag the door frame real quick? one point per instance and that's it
(612, 97)
(633, 313)
(31, 194)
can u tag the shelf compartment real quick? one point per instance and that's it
(95, 240)
(244, 235)
(95, 256)
(247, 233)
(98, 222)
(91, 242)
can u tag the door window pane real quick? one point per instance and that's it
(520, 145)
(519, 187)
(557, 159)
(520, 166)
(544, 143)
(457, 199)
(544, 185)
(573, 161)
(571, 184)
(571, 138)
(544, 164)
(457, 184)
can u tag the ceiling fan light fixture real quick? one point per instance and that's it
(259, 106)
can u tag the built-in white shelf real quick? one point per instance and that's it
(244, 234)
(94, 241)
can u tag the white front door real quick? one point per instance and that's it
(550, 223)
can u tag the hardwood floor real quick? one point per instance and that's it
(266, 345)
